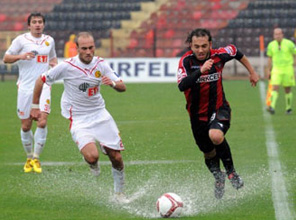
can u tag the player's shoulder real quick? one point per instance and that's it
(48, 37)
(100, 61)
(229, 49)
(22, 37)
(71, 60)
(288, 41)
(186, 56)
(272, 43)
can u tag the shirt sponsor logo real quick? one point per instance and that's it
(208, 78)
(83, 87)
(195, 67)
(42, 59)
(92, 90)
(229, 50)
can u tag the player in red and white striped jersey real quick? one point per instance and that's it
(200, 78)
(34, 52)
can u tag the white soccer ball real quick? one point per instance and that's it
(169, 205)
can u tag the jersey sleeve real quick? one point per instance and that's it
(186, 80)
(269, 50)
(230, 52)
(56, 73)
(293, 48)
(109, 72)
(52, 52)
(182, 73)
(15, 47)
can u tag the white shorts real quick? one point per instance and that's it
(24, 101)
(98, 126)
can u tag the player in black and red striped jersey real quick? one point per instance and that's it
(200, 78)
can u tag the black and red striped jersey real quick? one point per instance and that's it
(204, 92)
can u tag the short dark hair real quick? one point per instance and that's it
(35, 14)
(199, 32)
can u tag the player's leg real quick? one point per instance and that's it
(24, 100)
(118, 174)
(288, 83)
(224, 153)
(274, 98)
(268, 94)
(117, 169)
(288, 98)
(218, 128)
(91, 156)
(276, 81)
(41, 130)
(212, 161)
(200, 134)
(27, 141)
(107, 134)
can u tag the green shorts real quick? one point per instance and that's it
(283, 76)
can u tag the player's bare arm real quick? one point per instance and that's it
(53, 62)
(269, 66)
(253, 75)
(35, 111)
(117, 85)
(8, 58)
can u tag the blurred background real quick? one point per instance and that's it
(150, 28)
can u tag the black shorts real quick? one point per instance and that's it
(200, 129)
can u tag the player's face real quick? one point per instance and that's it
(86, 49)
(201, 47)
(278, 34)
(36, 26)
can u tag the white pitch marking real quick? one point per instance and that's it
(139, 162)
(279, 191)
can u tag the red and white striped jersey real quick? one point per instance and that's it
(206, 95)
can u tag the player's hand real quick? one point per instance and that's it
(106, 81)
(254, 78)
(27, 56)
(35, 114)
(207, 66)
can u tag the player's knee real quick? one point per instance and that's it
(116, 159)
(26, 127)
(91, 158)
(42, 123)
(216, 136)
(90, 153)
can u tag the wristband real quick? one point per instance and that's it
(113, 84)
(35, 106)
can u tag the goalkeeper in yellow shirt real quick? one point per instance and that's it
(281, 53)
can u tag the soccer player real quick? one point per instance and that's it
(83, 104)
(200, 78)
(34, 53)
(281, 53)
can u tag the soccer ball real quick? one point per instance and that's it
(169, 205)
